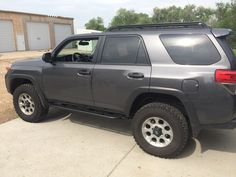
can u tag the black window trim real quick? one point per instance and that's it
(124, 64)
(220, 57)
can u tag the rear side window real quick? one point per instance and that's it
(190, 49)
(124, 50)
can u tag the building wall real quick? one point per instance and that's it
(19, 21)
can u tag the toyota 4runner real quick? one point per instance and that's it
(171, 79)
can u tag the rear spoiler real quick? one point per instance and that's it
(221, 32)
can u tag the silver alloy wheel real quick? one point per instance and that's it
(157, 132)
(26, 104)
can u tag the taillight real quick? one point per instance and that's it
(225, 76)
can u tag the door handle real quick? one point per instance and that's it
(84, 72)
(135, 75)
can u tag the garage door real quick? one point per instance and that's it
(38, 36)
(6, 36)
(61, 32)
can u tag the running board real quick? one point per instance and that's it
(94, 113)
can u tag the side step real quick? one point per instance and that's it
(90, 111)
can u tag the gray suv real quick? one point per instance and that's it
(171, 79)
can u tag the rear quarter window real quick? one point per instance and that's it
(231, 40)
(190, 49)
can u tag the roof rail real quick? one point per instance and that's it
(157, 26)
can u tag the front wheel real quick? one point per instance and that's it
(160, 130)
(27, 103)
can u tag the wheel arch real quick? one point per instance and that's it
(174, 98)
(17, 80)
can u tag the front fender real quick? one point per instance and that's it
(9, 80)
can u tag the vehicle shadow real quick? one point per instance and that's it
(121, 126)
(218, 140)
(189, 149)
(55, 114)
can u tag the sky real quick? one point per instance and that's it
(83, 10)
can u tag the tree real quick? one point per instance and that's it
(226, 15)
(95, 24)
(188, 13)
(127, 17)
(223, 16)
(177, 14)
(204, 14)
(170, 14)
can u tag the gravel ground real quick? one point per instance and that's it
(6, 107)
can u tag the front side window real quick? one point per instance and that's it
(124, 50)
(81, 50)
(190, 49)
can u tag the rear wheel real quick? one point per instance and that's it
(161, 130)
(27, 103)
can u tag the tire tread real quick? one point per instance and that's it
(40, 111)
(177, 114)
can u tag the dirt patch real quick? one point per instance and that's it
(7, 111)
(6, 108)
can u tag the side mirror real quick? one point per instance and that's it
(47, 57)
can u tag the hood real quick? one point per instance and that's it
(29, 62)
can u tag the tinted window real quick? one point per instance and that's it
(231, 40)
(123, 50)
(190, 49)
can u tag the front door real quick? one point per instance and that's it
(68, 79)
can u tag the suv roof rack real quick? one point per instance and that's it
(157, 26)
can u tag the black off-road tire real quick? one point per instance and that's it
(39, 111)
(173, 117)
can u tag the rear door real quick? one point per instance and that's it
(122, 72)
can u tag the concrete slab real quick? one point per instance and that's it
(211, 155)
(66, 146)
(83, 146)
